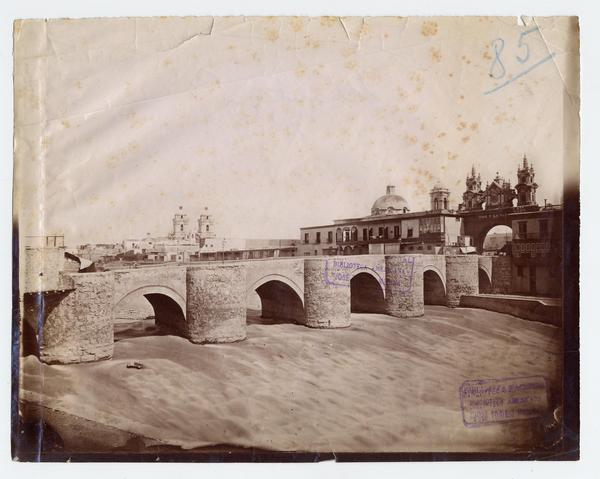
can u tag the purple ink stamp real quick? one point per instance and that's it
(492, 401)
(339, 272)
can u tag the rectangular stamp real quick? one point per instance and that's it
(492, 401)
(339, 272)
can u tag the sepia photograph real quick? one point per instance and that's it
(296, 238)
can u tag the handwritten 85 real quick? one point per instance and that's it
(523, 55)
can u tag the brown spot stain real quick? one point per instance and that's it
(425, 146)
(465, 139)
(272, 34)
(429, 28)
(328, 21)
(411, 140)
(436, 54)
(441, 134)
(66, 123)
(297, 24)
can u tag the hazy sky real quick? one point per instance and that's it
(277, 123)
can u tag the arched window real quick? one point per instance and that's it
(354, 233)
(445, 203)
(435, 204)
(338, 235)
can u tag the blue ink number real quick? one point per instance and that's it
(522, 44)
(498, 45)
(497, 69)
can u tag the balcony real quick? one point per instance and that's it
(534, 235)
(372, 240)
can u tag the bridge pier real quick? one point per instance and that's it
(462, 278)
(216, 303)
(404, 286)
(326, 294)
(79, 327)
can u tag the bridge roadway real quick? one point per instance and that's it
(206, 302)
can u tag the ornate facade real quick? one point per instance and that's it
(499, 193)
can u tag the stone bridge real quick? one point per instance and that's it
(206, 302)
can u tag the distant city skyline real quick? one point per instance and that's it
(274, 124)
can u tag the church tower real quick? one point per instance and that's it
(439, 196)
(180, 225)
(205, 227)
(526, 185)
(473, 196)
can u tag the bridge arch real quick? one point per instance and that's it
(485, 280)
(281, 298)
(367, 291)
(168, 305)
(434, 288)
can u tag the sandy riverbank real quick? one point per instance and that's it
(384, 384)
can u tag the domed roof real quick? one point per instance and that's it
(389, 204)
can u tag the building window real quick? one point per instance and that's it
(445, 203)
(435, 204)
(420, 248)
(365, 234)
(354, 233)
(330, 236)
(180, 227)
(385, 232)
(380, 231)
(429, 246)
(370, 233)
(520, 271)
(306, 237)
(338, 235)
(207, 228)
(396, 231)
(409, 233)
(411, 248)
(318, 237)
(543, 228)
(523, 229)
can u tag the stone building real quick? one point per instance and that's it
(533, 253)
(390, 228)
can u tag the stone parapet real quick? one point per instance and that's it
(216, 303)
(404, 286)
(462, 277)
(78, 323)
(326, 300)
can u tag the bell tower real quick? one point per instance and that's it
(526, 186)
(439, 196)
(473, 196)
(205, 227)
(180, 225)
